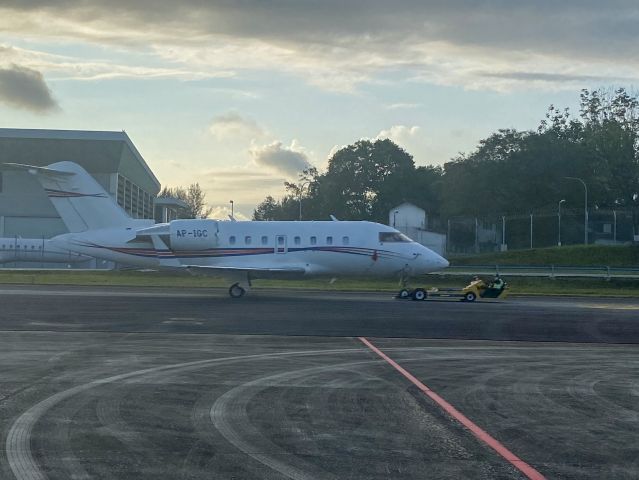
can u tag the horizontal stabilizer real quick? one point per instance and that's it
(36, 170)
(159, 229)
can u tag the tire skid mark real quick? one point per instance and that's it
(108, 413)
(229, 416)
(60, 448)
(18, 441)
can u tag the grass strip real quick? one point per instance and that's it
(518, 285)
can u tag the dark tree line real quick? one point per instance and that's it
(362, 181)
(510, 172)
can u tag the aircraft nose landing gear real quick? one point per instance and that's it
(418, 294)
(235, 291)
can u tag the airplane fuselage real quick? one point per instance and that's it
(331, 248)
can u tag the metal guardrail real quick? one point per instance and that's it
(549, 271)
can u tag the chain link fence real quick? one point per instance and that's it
(471, 235)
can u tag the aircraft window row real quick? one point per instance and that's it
(393, 237)
(297, 240)
(24, 247)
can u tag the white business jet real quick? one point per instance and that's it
(238, 251)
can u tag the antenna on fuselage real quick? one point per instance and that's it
(334, 218)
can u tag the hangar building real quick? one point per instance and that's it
(110, 157)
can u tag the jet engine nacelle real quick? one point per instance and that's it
(193, 234)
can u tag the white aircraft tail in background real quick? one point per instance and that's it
(17, 249)
(239, 251)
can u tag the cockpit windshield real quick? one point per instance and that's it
(393, 237)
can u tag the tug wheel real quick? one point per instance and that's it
(419, 294)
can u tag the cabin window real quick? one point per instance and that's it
(329, 240)
(232, 239)
(264, 239)
(32, 247)
(393, 237)
(280, 240)
(247, 240)
(345, 240)
(297, 240)
(313, 240)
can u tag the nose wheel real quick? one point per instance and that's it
(403, 294)
(235, 291)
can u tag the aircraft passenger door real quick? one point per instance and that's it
(280, 244)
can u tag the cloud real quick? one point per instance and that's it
(289, 161)
(232, 125)
(400, 134)
(402, 106)
(222, 212)
(64, 67)
(339, 45)
(24, 88)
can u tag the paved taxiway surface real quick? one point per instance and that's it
(151, 383)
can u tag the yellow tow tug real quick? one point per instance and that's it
(476, 289)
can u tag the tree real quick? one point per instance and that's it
(193, 196)
(268, 209)
(365, 179)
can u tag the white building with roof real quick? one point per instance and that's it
(413, 221)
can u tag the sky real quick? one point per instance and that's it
(240, 95)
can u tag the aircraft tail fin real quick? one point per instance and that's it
(80, 200)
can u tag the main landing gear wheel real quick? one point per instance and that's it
(419, 294)
(470, 297)
(403, 293)
(235, 291)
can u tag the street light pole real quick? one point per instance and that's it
(395, 217)
(585, 207)
(503, 233)
(559, 222)
(231, 202)
(531, 231)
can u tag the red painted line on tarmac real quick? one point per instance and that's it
(517, 462)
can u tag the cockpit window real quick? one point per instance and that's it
(393, 237)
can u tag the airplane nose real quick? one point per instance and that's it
(430, 261)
